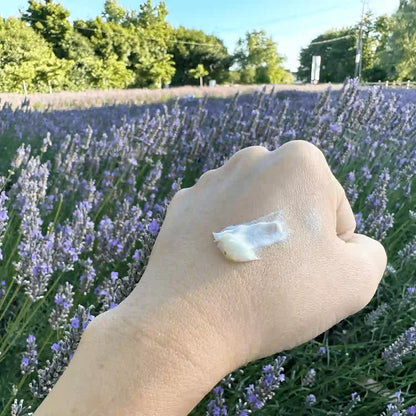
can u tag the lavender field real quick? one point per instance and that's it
(83, 195)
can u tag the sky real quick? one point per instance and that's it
(292, 24)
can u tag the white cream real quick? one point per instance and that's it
(243, 242)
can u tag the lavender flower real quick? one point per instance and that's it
(18, 408)
(107, 293)
(88, 276)
(394, 408)
(372, 317)
(217, 407)
(22, 156)
(70, 238)
(63, 303)
(49, 375)
(2, 289)
(256, 395)
(310, 400)
(322, 351)
(351, 188)
(30, 356)
(310, 378)
(355, 399)
(403, 345)
(379, 221)
(3, 219)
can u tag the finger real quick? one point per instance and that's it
(365, 262)
(345, 217)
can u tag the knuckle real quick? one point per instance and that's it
(247, 154)
(305, 153)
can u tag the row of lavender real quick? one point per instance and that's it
(82, 200)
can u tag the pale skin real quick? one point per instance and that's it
(195, 316)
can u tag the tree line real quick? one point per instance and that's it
(389, 49)
(124, 48)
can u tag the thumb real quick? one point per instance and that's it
(366, 262)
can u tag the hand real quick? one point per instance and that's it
(323, 273)
(196, 316)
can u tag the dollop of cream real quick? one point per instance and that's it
(243, 242)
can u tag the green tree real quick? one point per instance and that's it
(199, 72)
(113, 12)
(192, 47)
(107, 38)
(375, 48)
(258, 60)
(26, 56)
(149, 59)
(337, 49)
(398, 59)
(50, 20)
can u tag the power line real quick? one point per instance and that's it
(331, 40)
(284, 18)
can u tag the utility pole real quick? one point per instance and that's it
(359, 53)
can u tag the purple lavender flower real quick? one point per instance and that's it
(70, 238)
(322, 351)
(372, 317)
(153, 227)
(55, 346)
(88, 276)
(310, 400)
(379, 220)
(75, 322)
(309, 379)
(19, 409)
(2, 289)
(30, 356)
(50, 373)
(107, 293)
(63, 303)
(3, 220)
(403, 345)
(256, 395)
(217, 407)
(411, 410)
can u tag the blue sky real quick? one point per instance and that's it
(292, 24)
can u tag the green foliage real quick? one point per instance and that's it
(198, 72)
(397, 58)
(113, 12)
(259, 61)
(337, 49)
(150, 61)
(50, 20)
(124, 48)
(26, 56)
(192, 47)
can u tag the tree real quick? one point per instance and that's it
(337, 49)
(113, 12)
(50, 20)
(258, 60)
(199, 72)
(192, 47)
(26, 56)
(149, 59)
(398, 58)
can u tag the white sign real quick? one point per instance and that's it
(316, 68)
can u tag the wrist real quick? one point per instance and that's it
(179, 353)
